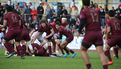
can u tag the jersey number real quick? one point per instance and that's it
(14, 18)
(117, 26)
(94, 17)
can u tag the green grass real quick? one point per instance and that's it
(53, 63)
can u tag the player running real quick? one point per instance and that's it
(89, 18)
(114, 31)
(13, 21)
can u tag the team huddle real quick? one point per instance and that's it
(19, 41)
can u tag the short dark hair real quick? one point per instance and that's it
(9, 8)
(86, 2)
(111, 13)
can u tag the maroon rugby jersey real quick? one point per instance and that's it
(115, 25)
(47, 29)
(92, 19)
(64, 31)
(13, 20)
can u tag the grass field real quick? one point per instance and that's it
(53, 63)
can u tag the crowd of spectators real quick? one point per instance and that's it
(70, 16)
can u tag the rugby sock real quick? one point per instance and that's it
(24, 49)
(88, 66)
(116, 52)
(72, 51)
(66, 50)
(17, 51)
(107, 53)
(50, 51)
(9, 47)
(61, 49)
(105, 66)
(20, 50)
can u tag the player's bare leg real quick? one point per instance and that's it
(10, 48)
(85, 57)
(19, 49)
(59, 47)
(26, 45)
(64, 46)
(107, 53)
(102, 56)
(115, 52)
(54, 45)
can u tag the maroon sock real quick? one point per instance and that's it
(9, 47)
(105, 66)
(50, 51)
(72, 51)
(17, 51)
(88, 66)
(24, 49)
(116, 52)
(66, 50)
(20, 50)
(61, 49)
(107, 53)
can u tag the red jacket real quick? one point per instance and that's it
(33, 13)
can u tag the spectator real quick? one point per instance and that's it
(113, 10)
(59, 10)
(51, 13)
(27, 13)
(40, 11)
(47, 11)
(77, 23)
(102, 16)
(25, 6)
(17, 6)
(35, 19)
(2, 11)
(105, 8)
(73, 15)
(92, 4)
(118, 13)
(31, 6)
(96, 6)
(22, 11)
(33, 13)
(64, 12)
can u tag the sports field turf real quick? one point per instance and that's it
(53, 63)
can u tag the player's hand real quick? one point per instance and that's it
(3, 29)
(0, 26)
(27, 51)
(45, 37)
(32, 41)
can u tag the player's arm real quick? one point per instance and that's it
(108, 31)
(4, 24)
(31, 33)
(105, 33)
(51, 34)
(35, 37)
(81, 25)
(20, 23)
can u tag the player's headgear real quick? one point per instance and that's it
(86, 2)
(111, 13)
